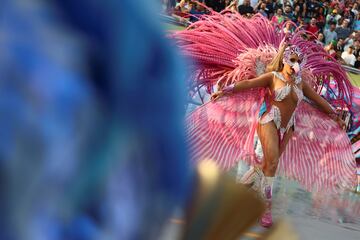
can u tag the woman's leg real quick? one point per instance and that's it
(270, 143)
(269, 139)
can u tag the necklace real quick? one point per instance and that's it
(293, 78)
(289, 79)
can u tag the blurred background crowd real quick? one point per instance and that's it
(333, 24)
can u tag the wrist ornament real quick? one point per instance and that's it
(334, 116)
(228, 89)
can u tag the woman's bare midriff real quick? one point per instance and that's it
(287, 106)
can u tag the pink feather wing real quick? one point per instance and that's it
(223, 131)
(319, 155)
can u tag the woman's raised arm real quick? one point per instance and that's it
(264, 80)
(322, 104)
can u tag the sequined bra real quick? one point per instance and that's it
(283, 92)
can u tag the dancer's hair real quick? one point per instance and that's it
(277, 63)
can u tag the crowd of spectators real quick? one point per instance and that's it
(333, 24)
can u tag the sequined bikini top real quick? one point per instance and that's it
(283, 92)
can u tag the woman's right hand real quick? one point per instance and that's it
(341, 123)
(217, 95)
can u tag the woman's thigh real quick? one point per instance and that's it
(269, 139)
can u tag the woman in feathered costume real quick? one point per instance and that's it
(267, 86)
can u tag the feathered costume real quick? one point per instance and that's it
(226, 48)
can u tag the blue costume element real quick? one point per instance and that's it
(262, 109)
(92, 142)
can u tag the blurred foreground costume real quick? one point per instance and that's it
(227, 48)
(82, 155)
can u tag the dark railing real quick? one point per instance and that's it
(173, 20)
(351, 69)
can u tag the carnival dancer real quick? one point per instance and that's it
(277, 124)
(252, 65)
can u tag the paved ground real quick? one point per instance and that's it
(318, 217)
(312, 217)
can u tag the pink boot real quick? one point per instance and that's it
(266, 219)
